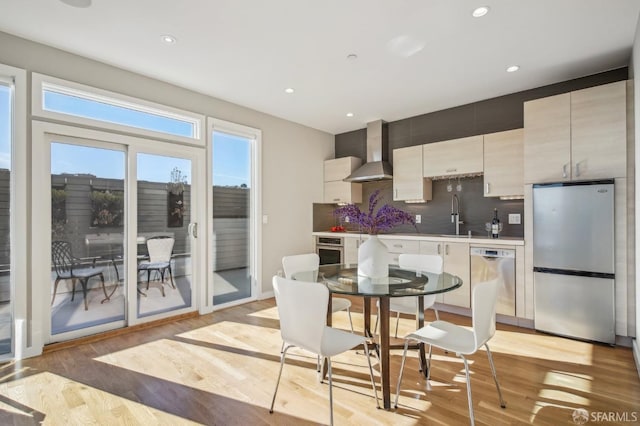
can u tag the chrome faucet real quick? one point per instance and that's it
(455, 213)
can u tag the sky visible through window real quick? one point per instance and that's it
(89, 108)
(231, 160)
(5, 127)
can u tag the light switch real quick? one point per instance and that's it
(418, 218)
(514, 219)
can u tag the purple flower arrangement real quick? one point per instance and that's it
(373, 222)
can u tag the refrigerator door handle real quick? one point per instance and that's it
(564, 170)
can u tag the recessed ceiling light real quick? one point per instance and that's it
(77, 3)
(168, 38)
(289, 90)
(513, 68)
(349, 114)
(480, 11)
(352, 56)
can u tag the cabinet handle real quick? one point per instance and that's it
(451, 170)
(336, 199)
(487, 185)
(398, 245)
(446, 249)
(577, 169)
(395, 192)
(564, 171)
(438, 248)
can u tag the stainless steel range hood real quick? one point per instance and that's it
(377, 167)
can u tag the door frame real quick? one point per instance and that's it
(256, 219)
(41, 221)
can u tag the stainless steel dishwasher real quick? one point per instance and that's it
(489, 264)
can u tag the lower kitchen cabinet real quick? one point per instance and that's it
(398, 247)
(456, 261)
(351, 246)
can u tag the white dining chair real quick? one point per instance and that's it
(309, 263)
(302, 308)
(424, 263)
(462, 340)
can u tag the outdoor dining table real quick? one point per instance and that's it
(344, 279)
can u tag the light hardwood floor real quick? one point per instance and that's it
(221, 369)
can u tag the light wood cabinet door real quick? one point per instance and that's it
(339, 168)
(504, 163)
(599, 131)
(547, 139)
(342, 192)
(408, 180)
(335, 189)
(351, 246)
(456, 262)
(453, 157)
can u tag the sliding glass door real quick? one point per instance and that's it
(6, 307)
(164, 237)
(88, 211)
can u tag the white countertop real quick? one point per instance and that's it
(475, 239)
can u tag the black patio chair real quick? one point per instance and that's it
(71, 268)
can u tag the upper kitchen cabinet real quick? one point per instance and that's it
(453, 157)
(409, 183)
(576, 136)
(503, 163)
(335, 189)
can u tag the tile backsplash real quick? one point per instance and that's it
(475, 209)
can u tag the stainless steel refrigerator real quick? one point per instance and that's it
(573, 259)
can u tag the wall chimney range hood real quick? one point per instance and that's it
(377, 167)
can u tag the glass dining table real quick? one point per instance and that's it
(344, 279)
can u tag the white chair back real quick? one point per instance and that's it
(483, 311)
(302, 307)
(421, 262)
(301, 263)
(160, 249)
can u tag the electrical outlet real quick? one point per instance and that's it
(346, 219)
(514, 219)
(418, 218)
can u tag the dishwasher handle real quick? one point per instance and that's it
(492, 253)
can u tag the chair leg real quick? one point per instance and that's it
(373, 382)
(375, 327)
(404, 357)
(437, 316)
(330, 392)
(282, 356)
(83, 282)
(171, 277)
(495, 377)
(148, 278)
(397, 322)
(466, 370)
(282, 347)
(429, 364)
(55, 289)
(106, 296)
(350, 320)
(73, 288)
(162, 282)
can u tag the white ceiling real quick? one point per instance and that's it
(414, 56)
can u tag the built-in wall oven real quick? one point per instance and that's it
(330, 249)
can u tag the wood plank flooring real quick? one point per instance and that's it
(220, 369)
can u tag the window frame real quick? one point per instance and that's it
(22, 338)
(41, 83)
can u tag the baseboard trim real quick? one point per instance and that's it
(267, 295)
(52, 347)
(636, 355)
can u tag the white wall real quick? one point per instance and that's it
(292, 154)
(633, 69)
